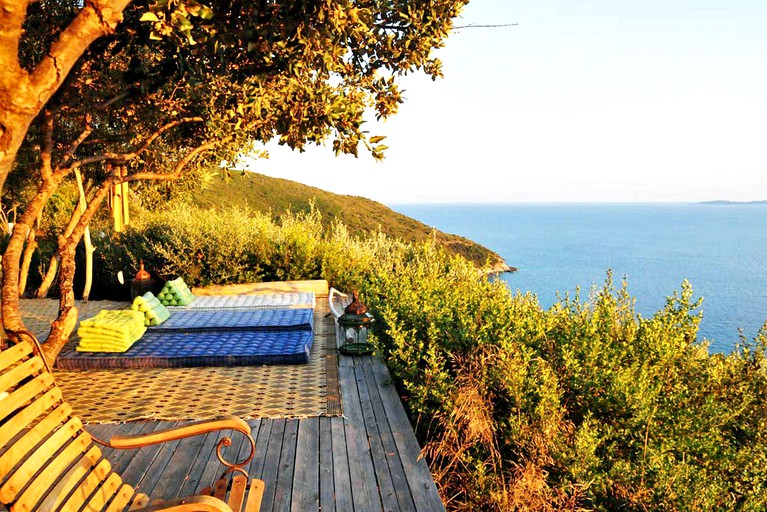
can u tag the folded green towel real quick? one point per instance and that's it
(175, 293)
(154, 311)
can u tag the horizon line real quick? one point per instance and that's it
(722, 202)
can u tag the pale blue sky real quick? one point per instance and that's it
(606, 101)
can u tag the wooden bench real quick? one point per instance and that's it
(48, 462)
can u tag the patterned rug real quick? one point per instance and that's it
(294, 391)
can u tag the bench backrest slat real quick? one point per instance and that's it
(87, 487)
(28, 414)
(56, 496)
(105, 492)
(12, 355)
(21, 448)
(47, 460)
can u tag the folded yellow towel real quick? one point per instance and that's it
(117, 319)
(111, 331)
(102, 334)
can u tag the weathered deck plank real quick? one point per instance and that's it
(272, 463)
(306, 486)
(377, 454)
(140, 466)
(341, 478)
(256, 468)
(362, 474)
(326, 465)
(391, 454)
(194, 481)
(154, 471)
(284, 489)
(420, 481)
(366, 460)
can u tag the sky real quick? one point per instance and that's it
(580, 101)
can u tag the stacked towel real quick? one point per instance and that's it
(111, 331)
(154, 312)
(175, 293)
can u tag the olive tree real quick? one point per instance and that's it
(124, 92)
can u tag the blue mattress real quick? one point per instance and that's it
(297, 300)
(200, 348)
(238, 320)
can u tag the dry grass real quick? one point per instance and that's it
(465, 458)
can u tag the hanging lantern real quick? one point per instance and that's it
(354, 324)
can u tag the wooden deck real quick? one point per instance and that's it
(364, 461)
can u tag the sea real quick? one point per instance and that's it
(721, 249)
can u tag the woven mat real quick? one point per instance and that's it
(103, 396)
(39, 313)
(238, 319)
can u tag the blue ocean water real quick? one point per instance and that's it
(720, 248)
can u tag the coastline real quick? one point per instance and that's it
(500, 267)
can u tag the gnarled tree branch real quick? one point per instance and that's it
(97, 18)
(70, 153)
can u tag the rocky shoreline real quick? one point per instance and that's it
(501, 267)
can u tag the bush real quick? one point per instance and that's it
(586, 405)
(203, 246)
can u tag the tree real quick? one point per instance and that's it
(129, 92)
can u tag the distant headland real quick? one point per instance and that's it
(719, 201)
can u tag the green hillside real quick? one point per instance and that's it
(263, 193)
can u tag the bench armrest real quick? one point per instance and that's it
(172, 434)
(202, 427)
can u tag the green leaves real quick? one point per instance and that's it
(168, 17)
(613, 409)
(319, 68)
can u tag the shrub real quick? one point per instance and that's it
(586, 405)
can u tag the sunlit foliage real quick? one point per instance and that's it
(584, 406)
(164, 91)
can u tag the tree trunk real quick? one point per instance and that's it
(12, 257)
(89, 249)
(50, 275)
(26, 260)
(53, 265)
(62, 327)
(13, 130)
(24, 94)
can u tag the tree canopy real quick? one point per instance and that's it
(128, 91)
